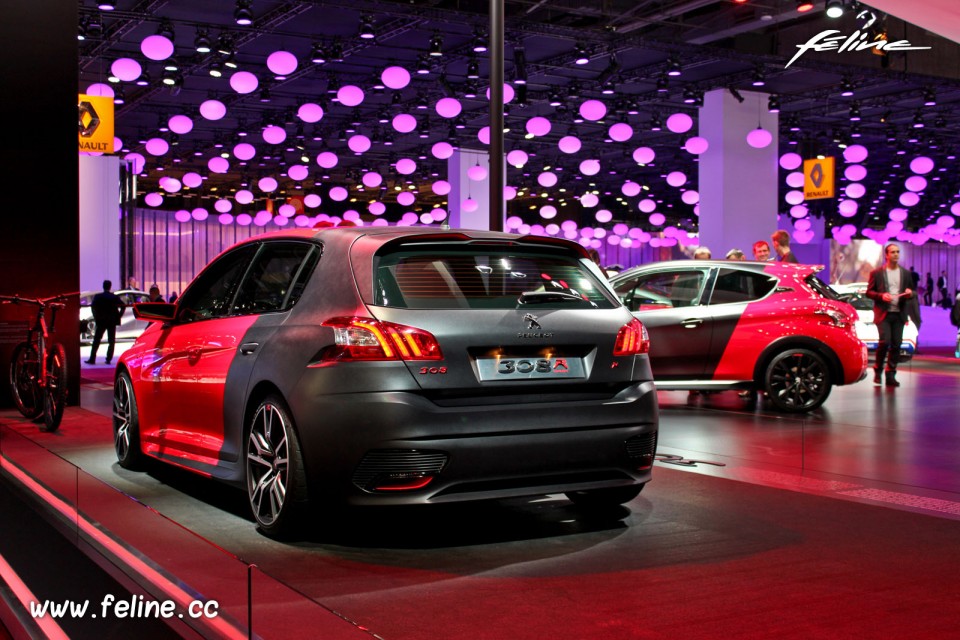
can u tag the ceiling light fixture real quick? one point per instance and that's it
(673, 67)
(855, 111)
(478, 45)
(663, 84)
(216, 69)
(202, 42)
(773, 104)
(366, 30)
(519, 65)
(317, 54)
(582, 56)
(243, 15)
(846, 87)
(436, 46)
(758, 79)
(918, 120)
(834, 8)
(929, 97)
(473, 68)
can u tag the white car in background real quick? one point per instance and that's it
(130, 328)
(856, 294)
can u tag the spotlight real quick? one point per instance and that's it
(144, 79)
(573, 91)
(834, 8)
(82, 30)
(804, 5)
(918, 120)
(119, 95)
(166, 30)
(216, 69)
(663, 84)
(846, 87)
(336, 51)
(689, 95)
(582, 57)
(673, 67)
(366, 28)
(230, 61)
(520, 65)
(94, 27)
(473, 68)
(608, 89)
(317, 54)
(265, 95)
(885, 116)
(423, 65)
(171, 65)
(855, 112)
(436, 46)
(773, 104)
(929, 97)
(225, 44)
(656, 124)
(242, 15)
(106, 5)
(202, 42)
(470, 90)
(758, 78)
(793, 124)
(478, 45)
(855, 130)
(555, 100)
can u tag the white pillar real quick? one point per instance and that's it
(99, 222)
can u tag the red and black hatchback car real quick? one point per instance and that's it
(769, 326)
(376, 366)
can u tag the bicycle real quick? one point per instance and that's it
(38, 367)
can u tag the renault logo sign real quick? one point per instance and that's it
(95, 123)
(818, 178)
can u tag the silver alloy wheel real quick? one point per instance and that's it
(798, 381)
(267, 463)
(122, 417)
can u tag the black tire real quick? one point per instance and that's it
(605, 498)
(55, 393)
(24, 373)
(276, 478)
(126, 424)
(797, 380)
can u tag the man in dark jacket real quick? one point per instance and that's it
(890, 287)
(107, 310)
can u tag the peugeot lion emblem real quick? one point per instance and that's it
(532, 319)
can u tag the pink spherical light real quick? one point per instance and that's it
(225, 218)
(508, 93)
(298, 172)
(696, 145)
(438, 214)
(620, 132)
(855, 172)
(915, 183)
(569, 144)
(441, 187)
(630, 188)
(898, 214)
(469, 205)
(794, 180)
(676, 178)
(909, 198)
(157, 146)
(395, 77)
(350, 95)
(199, 214)
(793, 197)
(137, 160)
(593, 110)
(338, 193)
(371, 179)
(267, 184)
(855, 153)
(921, 165)
(404, 123)
(192, 180)
(547, 179)
(218, 165)
(282, 63)
(180, 124)
(244, 219)
(644, 155)
(517, 158)
(603, 216)
(153, 199)
(244, 82)
(483, 135)
(946, 222)
(376, 208)
(281, 221)
(182, 216)
(262, 218)
(647, 205)
(406, 198)
(799, 211)
(657, 219)
(590, 167)
(100, 89)
(406, 166)
(426, 218)
(170, 185)
(538, 126)
(791, 161)
(442, 150)
(449, 107)
(274, 134)
(212, 109)
(243, 196)
(512, 222)
(848, 208)
(477, 173)
(359, 143)
(690, 197)
(312, 200)
(223, 206)
(509, 193)
(759, 138)
(803, 236)
(855, 190)
(127, 69)
(327, 159)
(679, 123)
(548, 211)
(156, 47)
(310, 112)
(589, 200)
(803, 225)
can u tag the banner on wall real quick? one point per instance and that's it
(95, 120)
(818, 178)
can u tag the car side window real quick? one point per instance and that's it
(210, 294)
(271, 277)
(662, 290)
(736, 285)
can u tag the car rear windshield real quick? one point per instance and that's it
(817, 285)
(479, 277)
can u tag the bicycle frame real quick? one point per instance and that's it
(40, 332)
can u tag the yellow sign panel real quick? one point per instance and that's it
(96, 123)
(818, 178)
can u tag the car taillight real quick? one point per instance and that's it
(632, 339)
(369, 339)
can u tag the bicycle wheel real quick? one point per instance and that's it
(55, 392)
(24, 387)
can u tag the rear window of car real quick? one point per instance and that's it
(480, 277)
(824, 290)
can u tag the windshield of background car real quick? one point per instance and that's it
(484, 277)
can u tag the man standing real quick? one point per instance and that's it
(889, 288)
(942, 287)
(781, 242)
(928, 291)
(107, 310)
(761, 251)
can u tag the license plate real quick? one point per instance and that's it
(504, 368)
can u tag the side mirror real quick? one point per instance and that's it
(154, 311)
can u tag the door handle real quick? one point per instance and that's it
(249, 347)
(691, 323)
(193, 353)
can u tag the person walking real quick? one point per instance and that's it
(942, 288)
(928, 290)
(107, 310)
(781, 243)
(889, 288)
